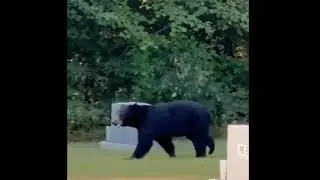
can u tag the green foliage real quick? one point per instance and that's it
(156, 51)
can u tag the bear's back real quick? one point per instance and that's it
(181, 108)
(178, 117)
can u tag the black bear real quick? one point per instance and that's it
(161, 122)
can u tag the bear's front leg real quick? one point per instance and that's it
(143, 147)
(167, 145)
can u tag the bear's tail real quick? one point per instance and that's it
(211, 141)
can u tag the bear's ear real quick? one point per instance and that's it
(143, 109)
(139, 109)
(136, 106)
(133, 107)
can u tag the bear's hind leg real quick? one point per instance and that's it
(211, 144)
(167, 145)
(200, 145)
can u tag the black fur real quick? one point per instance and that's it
(163, 121)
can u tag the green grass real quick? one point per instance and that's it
(88, 160)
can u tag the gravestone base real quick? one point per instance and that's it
(117, 146)
(122, 138)
(124, 147)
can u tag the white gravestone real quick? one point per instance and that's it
(123, 135)
(223, 169)
(238, 152)
(123, 138)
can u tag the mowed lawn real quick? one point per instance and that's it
(88, 161)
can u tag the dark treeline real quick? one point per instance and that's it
(155, 51)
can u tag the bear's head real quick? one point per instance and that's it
(131, 115)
